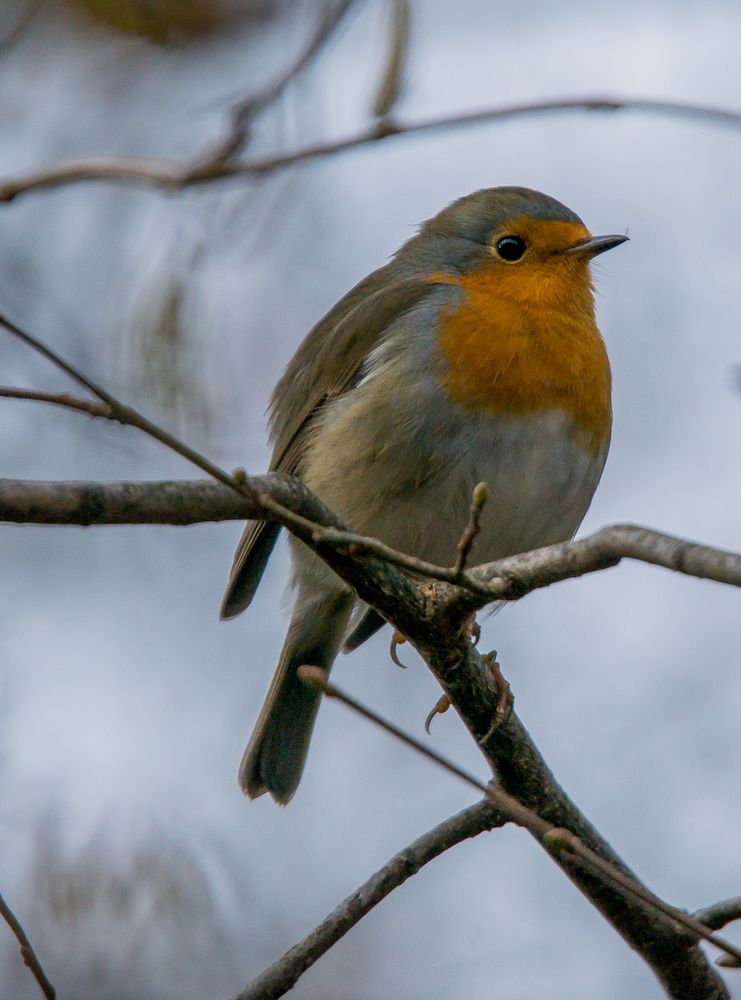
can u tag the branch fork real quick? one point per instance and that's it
(431, 606)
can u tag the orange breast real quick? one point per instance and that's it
(525, 340)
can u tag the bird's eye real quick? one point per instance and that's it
(510, 248)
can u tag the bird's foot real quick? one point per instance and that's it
(505, 698)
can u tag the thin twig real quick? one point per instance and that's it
(717, 915)
(127, 415)
(283, 974)
(194, 501)
(435, 623)
(392, 79)
(564, 840)
(514, 577)
(244, 111)
(29, 956)
(472, 529)
(554, 839)
(317, 678)
(59, 399)
(237, 481)
(158, 173)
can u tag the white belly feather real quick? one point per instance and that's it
(397, 460)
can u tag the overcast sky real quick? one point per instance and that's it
(136, 864)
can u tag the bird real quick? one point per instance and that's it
(472, 356)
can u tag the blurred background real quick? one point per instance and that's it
(126, 848)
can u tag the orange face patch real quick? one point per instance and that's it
(525, 339)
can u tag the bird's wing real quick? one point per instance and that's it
(324, 367)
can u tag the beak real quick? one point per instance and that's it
(593, 245)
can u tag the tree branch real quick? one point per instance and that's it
(165, 174)
(554, 840)
(719, 914)
(63, 399)
(392, 78)
(283, 974)
(434, 618)
(181, 501)
(244, 111)
(29, 956)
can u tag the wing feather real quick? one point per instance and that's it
(326, 365)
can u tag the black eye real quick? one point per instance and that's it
(511, 248)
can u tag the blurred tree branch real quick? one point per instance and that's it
(282, 975)
(29, 956)
(216, 166)
(244, 111)
(434, 616)
(392, 78)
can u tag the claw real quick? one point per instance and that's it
(440, 707)
(505, 698)
(397, 639)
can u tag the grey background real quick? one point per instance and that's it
(126, 847)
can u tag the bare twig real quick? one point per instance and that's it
(506, 579)
(392, 78)
(29, 956)
(164, 174)
(434, 617)
(317, 678)
(564, 840)
(283, 974)
(472, 528)
(59, 399)
(554, 839)
(243, 112)
(515, 576)
(719, 914)
(127, 415)
(194, 501)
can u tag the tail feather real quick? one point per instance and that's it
(275, 756)
(250, 559)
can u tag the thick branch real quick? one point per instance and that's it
(553, 839)
(161, 174)
(434, 617)
(283, 974)
(193, 501)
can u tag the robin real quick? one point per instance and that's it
(473, 355)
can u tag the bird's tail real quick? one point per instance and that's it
(275, 756)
